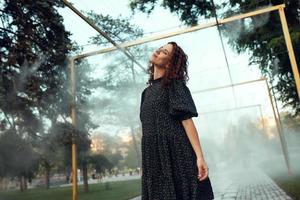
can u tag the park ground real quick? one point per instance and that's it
(231, 183)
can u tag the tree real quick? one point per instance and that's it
(34, 77)
(119, 29)
(34, 45)
(51, 155)
(99, 162)
(84, 122)
(120, 75)
(19, 158)
(291, 122)
(65, 133)
(189, 11)
(267, 48)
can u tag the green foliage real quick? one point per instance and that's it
(119, 29)
(34, 82)
(99, 162)
(34, 45)
(260, 35)
(121, 79)
(189, 11)
(17, 155)
(120, 75)
(34, 87)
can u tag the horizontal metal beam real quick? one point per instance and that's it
(92, 24)
(183, 31)
(230, 85)
(229, 109)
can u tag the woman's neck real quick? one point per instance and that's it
(158, 72)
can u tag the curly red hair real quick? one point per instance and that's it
(178, 69)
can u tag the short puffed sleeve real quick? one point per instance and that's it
(181, 103)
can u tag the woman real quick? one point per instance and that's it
(173, 166)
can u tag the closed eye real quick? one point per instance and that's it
(165, 51)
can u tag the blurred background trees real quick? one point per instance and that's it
(35, 124)
(256, 36)
(36, 129)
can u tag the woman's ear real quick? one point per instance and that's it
(168, 64)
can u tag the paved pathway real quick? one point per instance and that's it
(247, 184)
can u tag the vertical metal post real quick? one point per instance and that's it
(264, 127)
(279, 130)
(262, 118)
(74, 122)
(289, 46)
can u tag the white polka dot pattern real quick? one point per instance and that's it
(169, 170)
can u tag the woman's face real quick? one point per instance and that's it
(162, 56)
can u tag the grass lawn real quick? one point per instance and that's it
(290, 184)
(278, 172)
(121, 190)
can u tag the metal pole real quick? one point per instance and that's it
(224, 52)
(279, 130)
(74, 122)
(125, 51)
(289, 46)
(262, 118)
(229, 109)
(179, 32)
(231, 85)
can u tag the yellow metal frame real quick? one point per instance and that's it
(280, 131)
(144, 40)
(179, 32)
(289, 46)
(274, 110)
(74, 122)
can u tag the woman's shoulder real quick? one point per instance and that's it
(178, 83)
(145, 89)
(179, 86)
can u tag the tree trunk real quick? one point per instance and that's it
(21, 183)
(47, 176)
(85, 177)
(25, 183)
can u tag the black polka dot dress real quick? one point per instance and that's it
(169, 169)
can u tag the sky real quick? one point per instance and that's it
(207, 66)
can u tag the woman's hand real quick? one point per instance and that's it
(202, 169)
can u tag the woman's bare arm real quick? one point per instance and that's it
(192, 134)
